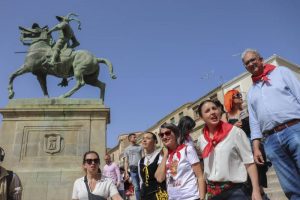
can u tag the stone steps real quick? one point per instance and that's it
(274, 190)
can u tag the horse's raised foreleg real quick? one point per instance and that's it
(79, 83)
(43, 83)
(20, 71)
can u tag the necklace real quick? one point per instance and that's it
(92, 183)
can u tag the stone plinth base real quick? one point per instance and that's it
(45, 139)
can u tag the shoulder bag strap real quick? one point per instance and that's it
(87, 187)
(91, 195)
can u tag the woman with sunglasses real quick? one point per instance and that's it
(150, 188)
(180, 167)
(238, 116)
(227, 157)
(93, 186)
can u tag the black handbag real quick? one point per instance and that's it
(91, 195)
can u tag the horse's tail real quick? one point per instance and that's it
(110, 66)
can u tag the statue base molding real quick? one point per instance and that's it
(45, 139)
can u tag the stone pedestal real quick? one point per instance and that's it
(45, 139)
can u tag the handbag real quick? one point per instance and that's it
(91, 195)
(161, 194)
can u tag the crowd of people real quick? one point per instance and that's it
(229, 161)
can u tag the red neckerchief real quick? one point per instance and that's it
(263, 76)
(171, 153)
(222, 131)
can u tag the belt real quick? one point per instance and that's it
(281, 127)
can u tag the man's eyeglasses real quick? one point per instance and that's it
(238, 96)
(250, 61)
(91, 161)
(167, 133)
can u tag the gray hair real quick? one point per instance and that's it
(250, 50)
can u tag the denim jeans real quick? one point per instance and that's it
(136, 183)
(283, 150)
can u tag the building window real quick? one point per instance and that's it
(213, 97)
(172, 120)
(180, 115)
(196, 114)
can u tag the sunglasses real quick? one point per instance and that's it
(91, 161)
(250, 61)
(238, 96)
(167, 133)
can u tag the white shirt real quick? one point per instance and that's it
(227, 160)
(181, 180)
(189, 141)
(104, 187)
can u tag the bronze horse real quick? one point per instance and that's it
(81, 64)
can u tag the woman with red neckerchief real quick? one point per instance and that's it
(227, 157)
(180, 167)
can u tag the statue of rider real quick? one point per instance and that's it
(66, 34)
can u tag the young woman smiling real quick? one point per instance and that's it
(227, 157)
(150, 188)
(180, 167)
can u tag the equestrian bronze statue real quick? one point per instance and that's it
(81, 64)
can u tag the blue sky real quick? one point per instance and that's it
(161, 50)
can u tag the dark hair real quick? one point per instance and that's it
(219, 105)
(131, 134)
(122, 169)
(89, 152)
(202, 104)
(153, 136)
(172, 127)
(185, 125)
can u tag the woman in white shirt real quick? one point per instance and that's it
(227, 157)
(92, 185)
(180, 167)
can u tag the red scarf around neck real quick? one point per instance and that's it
(263, 76)
(172, 152)
(222, 131)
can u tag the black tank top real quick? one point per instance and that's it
(150, 185)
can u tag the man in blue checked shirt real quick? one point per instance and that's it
(274, 112)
